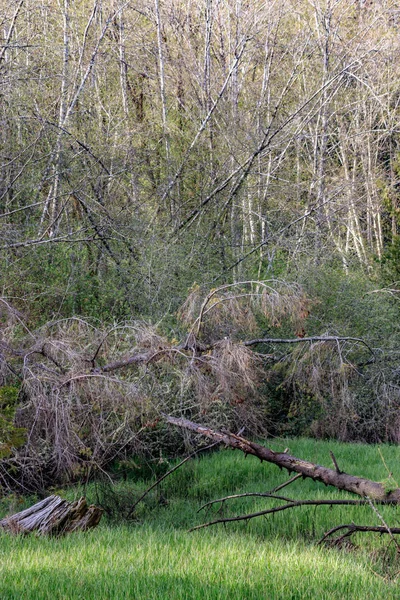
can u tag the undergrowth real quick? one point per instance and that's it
(154, 556)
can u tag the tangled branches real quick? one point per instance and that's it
(75, 396)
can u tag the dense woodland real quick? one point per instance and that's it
(199, 216)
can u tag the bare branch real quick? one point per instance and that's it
(342, 481)
(311, 339)
(11, 29)
(352, 528)
(289, 504)
(185, 460)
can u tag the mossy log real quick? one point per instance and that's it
(53, 516)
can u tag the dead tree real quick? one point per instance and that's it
(372, 492)
(68, 373)
(334, 477)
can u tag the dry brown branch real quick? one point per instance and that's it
(342, 481)
(191, 344)
(315, 338)
(352, 528)
(285, 483)
(333, 457)
(289, 503)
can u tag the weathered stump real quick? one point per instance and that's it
(54, 516)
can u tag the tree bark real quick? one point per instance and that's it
(342, 481)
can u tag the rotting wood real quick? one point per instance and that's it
(343, 481)
(54, 516)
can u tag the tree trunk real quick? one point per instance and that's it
(336, 478)
(54, 516)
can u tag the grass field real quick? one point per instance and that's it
(154, 557)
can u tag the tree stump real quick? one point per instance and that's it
(54, 516)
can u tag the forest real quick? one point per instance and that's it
(199, 222)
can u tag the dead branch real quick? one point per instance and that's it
(289, 503)
(285, 484)
(311, 339)
(139, 358)
(185, 460)
(333, 457)
(268, 494)
(192, 345)
(353, 528)
(342, 481)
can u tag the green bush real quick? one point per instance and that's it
(11, 436)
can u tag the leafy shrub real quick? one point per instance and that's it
(11, 437)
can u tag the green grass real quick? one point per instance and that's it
(155, 557)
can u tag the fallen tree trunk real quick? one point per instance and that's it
(54, 516)
(333, 477)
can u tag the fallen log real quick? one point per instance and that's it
(333, 477)
(53, 516)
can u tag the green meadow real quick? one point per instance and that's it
(278, 557)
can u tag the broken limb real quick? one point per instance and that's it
(289, 503)
(352, 528)
(342, 481)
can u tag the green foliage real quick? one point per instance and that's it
(137, 468)
(154, 557)
(76, 282)
(11, 437)
(342, 395)
(157, 562)
(391, 260)
(347, 304)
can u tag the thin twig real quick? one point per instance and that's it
(380, 517)
(270, 494)
(289, 504)
(286, 483)
(335, 462)
(389, 472)
(169, 473)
